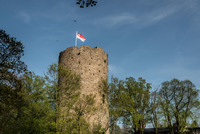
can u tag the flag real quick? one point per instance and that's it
(81, 37)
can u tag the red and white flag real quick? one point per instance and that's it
(81, 37)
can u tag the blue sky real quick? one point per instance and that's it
(154, 39)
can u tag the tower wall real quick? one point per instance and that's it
(92, 65)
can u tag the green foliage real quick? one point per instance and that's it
(115, 109)
(38, 116)
(104, 86)
(49, 104)
(51, 86)
(129, 99)
(176, 103)
(29, 110)
(11, 51)
(83, 109)
(156, 112)
(11, 85)
(103, 90)
(179, 101)
(72, 107)
(137, 97)
(194, 124)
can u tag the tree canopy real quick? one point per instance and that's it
(129, 101)
(11, 85)
(178, 100)
(86, 3)
(11, 52)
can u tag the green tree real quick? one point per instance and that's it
(165, 97)
(115, 110)
(67, 95)
(136, 100)
(11, 86)
(129, 100)
(37, 116)
(72, 107)
(12, 101)
(155, 109)
(11, 52)
(179, 101)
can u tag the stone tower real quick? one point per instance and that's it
(92, 65)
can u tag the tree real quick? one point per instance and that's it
(164, 98)
(84, 3)
(12, 101)
(67, 95)
(154, 110)
(11, 87)
(115, 109)
(179, 100)
(129, 100)
(72, 108)
(136, 100)
(38, 115)
(11, 52)
(24, 105)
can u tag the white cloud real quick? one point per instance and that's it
(139, 19)
(25, 16)
(159, 15)
(194, 7)
(124, 18)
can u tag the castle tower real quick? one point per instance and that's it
(92, 65)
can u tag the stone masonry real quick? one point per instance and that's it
(92, 65)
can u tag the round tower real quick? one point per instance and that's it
(92, 65)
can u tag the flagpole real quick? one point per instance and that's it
(76, 40)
